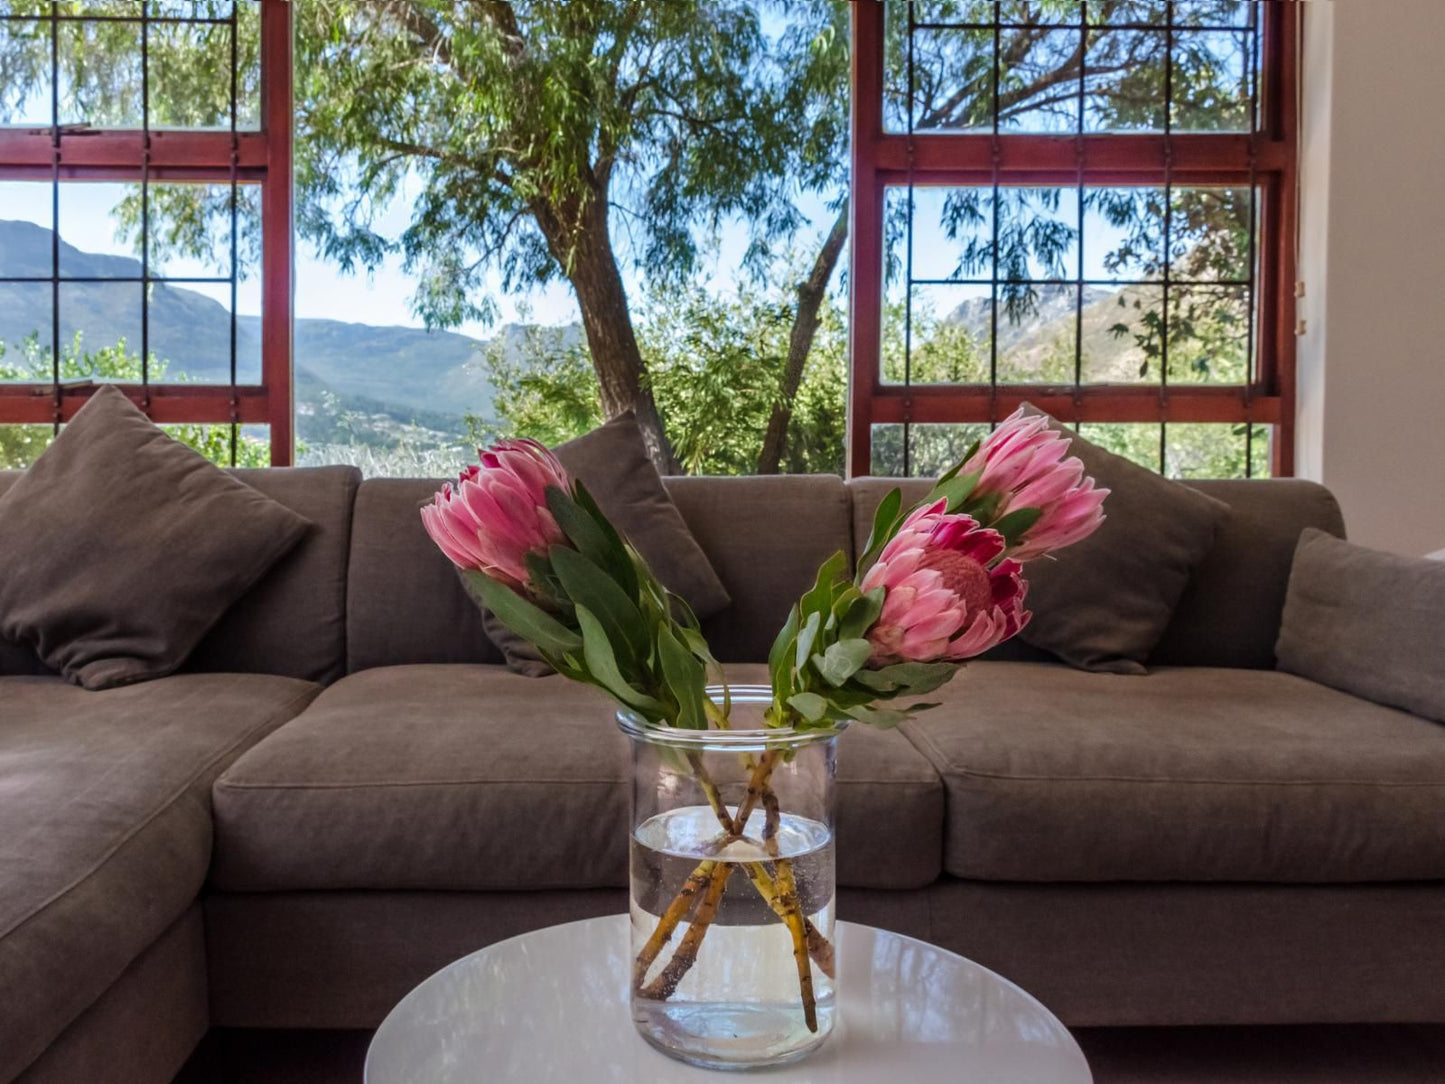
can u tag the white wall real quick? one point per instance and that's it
(1372, 363)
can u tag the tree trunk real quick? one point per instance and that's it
(810, 294)
(607, 322)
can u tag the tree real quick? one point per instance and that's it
(531, 128)
(715, 363)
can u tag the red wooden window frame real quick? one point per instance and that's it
(1268, 157)
(263, 157)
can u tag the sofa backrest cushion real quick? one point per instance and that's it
(1230, 613)
(765, 537)
(404, 600)
(293, 621)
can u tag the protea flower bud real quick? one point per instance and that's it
(497, 513)
(1023, 461)
(948, 594)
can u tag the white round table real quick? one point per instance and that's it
(551, 1007)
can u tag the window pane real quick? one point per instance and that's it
(1210, 12)
(21, 445)
(1210, 81)
(1036, 334)
(949, 335)
(190, 75)
(25, 331)
(1206, 450)
(100, 73)
(1137, 441)
(1209, 234)
(100, 331)
(1038, 80)
(1122, 334)
(24, 72)
(99, 230)
(1123, 234)
(945, 11)
(1038, 233)
(1127, 12)
(1124, 81)
(190, 230)
(952, 232)
(1208, 334)
(1039, 12)
(25, 212)
(932, 448)
(190, 335)
(952, 81)
(252, 443)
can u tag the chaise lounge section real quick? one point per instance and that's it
(351, 791)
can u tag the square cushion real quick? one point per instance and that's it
(105, 828)
(612, 462)
(1187, 774)
(1104, 603)
(122, 547)
(1368, 622)
(473, 777)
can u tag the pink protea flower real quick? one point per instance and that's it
(1024, 461)
(497, 513)
(948, 594)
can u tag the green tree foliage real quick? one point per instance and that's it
(21, 444)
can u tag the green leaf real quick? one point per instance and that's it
(842, 660)
(626, 574)
(885, 718)
(783, 641)
(862, 612)
(820, 598)
(602, 667)
(588, 585)
(806, 636)
(685, 677)
(811, 706)
(1017, 523)
(883, 519)
(984, 508)
(956, 490)
(907, 678)
(580, 527)
(528, 621)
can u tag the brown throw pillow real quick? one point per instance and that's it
(1367, 622)
(1103, 604)
(611, 461)
(120, 547)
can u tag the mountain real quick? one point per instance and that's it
(1025, 346)
(401, 372)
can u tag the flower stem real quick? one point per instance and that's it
(681, 905)
(665, 985)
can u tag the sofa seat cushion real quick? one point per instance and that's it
(469, 776)
(105, 828)
(1186, 774)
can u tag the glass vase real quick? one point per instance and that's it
(732, 887)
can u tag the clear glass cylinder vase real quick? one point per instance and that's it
(732, 887)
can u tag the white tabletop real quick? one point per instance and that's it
(551, 1006)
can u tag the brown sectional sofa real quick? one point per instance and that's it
(347, 791)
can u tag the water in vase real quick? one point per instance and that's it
(739, 1002)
